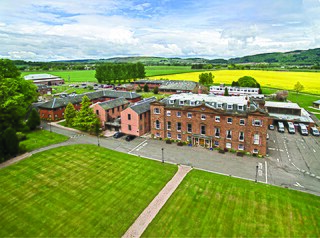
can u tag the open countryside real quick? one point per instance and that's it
(272, 79)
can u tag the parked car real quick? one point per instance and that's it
(130, 137)
(271, 127)
(303, 129)
(291, 128)
(314, 131)
(118, 134)
(280, 127)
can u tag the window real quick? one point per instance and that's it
(256, 139)
(168, 113)
(157, 134)
(240, 107)
(217, 118)
(97, 112)
(217, 132)
(179, 137)
(169, 125)
(118, 108)
(171, 101)
(229, 106)
(216, 143)
(156, 110)
(112, 110)
(219, 105)
(122, 107)
(129, 117)
(192, 103)
(189, 128)
(229, 134)
(178, 126)
(255, 151)
(178, 114)
(140, 116)
(242, 122)
(169, 134)
(228, 145)
(256, 122)
(157, 124)
(241, 136)
(229, 120)
(189, 115)
(203, 129)
(189, 138)
(129, 127)
(181, 102)
(240, 147)
(203, 117)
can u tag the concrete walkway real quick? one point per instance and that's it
(142, 222)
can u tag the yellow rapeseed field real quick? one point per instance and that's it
(272, 79)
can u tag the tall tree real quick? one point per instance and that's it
(248, 81)
(33, 120)
(140, 70)
(298, 87)
(10, 142)
(70, 114)
(226, 92)
(86, 119)
(206, 79)
(146, 88)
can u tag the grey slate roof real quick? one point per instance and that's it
(317, 102)
(113, 103)
(143, 105)
(63, 102)
(178, 85)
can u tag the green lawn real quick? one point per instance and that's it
(167, 70)
(41, 138)
(78, 191)
(210, 205)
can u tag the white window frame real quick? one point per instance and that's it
(254, 122)
(157, 134)
(168, 127)
(192, 103)
(157, 125)
(203, 117)
(229, 106)
(241, 147)
(228, 145)
(217, 130)
(256, 139)
(241, 133)
(189, 115)
(255, 151)
(178, 136)
(240, 107)
(168, 113)
(244, 122)
(171, 101)
(169, 134)
(178, 126)
(201, 129)
(229, 132)
(189, 131)
(217, 119)
(219, 105)
(156, 110)
(178, 114)
(181, 102)
(229, 122)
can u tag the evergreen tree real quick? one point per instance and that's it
(146, 88)
(33, 120)
(86, 119)
(156, 90)
(69, 114)
(226, 92)
(10, 142)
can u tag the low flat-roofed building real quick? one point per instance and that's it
(44, 79)
(233, 91)
(316, 104)
(283, 108)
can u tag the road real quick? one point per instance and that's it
(293, 160)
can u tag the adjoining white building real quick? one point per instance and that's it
(233, 91)
(44, 79)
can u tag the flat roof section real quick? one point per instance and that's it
(40, 76)
(285, 105)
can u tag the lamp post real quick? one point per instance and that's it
(49, 123)
(162, 155)
(98, 136)
(256, 173)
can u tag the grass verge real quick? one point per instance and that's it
(78, 191)
(41, 138)
(210, 205)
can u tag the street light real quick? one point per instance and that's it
(256, 173)
(162, 155)
(98, 136)
(49, 123)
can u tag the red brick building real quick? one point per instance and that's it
(109, 111)
(135, 120)
(53, 110)
(211, 121)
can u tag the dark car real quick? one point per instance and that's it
(130, 137)
(118, 134)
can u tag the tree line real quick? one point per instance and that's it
(119, 73)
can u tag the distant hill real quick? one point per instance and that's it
(297, 57)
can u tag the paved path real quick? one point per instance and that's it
(142, 222)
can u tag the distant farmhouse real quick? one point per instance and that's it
(233, 91)
(44, 79)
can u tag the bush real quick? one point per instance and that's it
(168, 141)
(22, 149)
(33, 120)
(180, 143)
(232, 150)
(138, 89)
(156, 90)
(21, 136)
(221, 151)
(240, 153)
(90, 87)
(225, 149)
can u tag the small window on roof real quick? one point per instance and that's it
(230, 106)
(171, 101)
(181, 102)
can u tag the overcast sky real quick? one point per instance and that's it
(44, 30)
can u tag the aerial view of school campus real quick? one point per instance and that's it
(164, 118)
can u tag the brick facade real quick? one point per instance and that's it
(199, 125)
(133, 123)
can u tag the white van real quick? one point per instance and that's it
(303, 129)
(314, 131)
(291, 128)
(280, 127)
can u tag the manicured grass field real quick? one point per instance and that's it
(166, 70)
(41, 138)
(272, 79)
(77, 191)
(210, 205)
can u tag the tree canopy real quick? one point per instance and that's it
(33, 120)
(248, 81)
(70, 114)
(206, 79)
(298, 87)
(115, 73)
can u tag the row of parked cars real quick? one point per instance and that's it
(292, 128)
(119, 134)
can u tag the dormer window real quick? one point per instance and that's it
(219, 105)
(229, 106)
(171, 101)
(192, 103)
(240, 107)
(181, 102)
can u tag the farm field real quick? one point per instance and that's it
(41, 138)
(77, 191)
(272, 79)
(210, 205)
